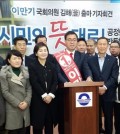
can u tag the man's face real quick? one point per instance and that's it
(43, 39)
(90, 47)
(81, 46)
(71, 42)
(114, 49)
(21, 46)
(102, 46)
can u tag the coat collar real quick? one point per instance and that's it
(7, 72)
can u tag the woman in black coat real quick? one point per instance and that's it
(43, 79)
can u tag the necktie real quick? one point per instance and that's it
(71, 55)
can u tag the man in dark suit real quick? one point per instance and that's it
(20, 44)
(105, 68)
(80, 61)
(115, 51)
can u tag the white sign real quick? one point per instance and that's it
(84, 99)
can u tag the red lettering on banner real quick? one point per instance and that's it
(58, 27)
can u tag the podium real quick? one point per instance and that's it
(79, 117)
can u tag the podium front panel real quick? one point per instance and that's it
(81, 120)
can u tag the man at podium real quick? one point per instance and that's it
(72, 67)
(105, 68)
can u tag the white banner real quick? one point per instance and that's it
(89, 19)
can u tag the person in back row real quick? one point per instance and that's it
(91, 45)
(20, 44)
(81, 45)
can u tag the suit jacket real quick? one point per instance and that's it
(119, 78)
(27, 60)
(88, 55)
(39, 75)
(2, 62)
(109, 74)
(81, 61)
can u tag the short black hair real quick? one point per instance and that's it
(13, 52)
(19, 38)
(39, 36)
(103, 38)
(82, 39)
(69, 33)
(39, 45)
(115, 41)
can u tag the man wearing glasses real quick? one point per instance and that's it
(71, 57)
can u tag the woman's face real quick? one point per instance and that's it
(42, 53)
(15, 61)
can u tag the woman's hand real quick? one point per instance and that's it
(47, 99)
(23, 105)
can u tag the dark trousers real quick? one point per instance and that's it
(48, 125)
(117, 117)
(37, 131)
(17, 131)
(27, 130)
(20, 131)
(2, 129)
(107, 107)
(100, 115)
(60, 96)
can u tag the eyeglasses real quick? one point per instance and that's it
(71, 40)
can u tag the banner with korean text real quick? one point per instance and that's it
(89, 19)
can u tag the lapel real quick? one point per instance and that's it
(26, 60)
(17, 79)
(76, 57)
(119, 60)
(97, 63)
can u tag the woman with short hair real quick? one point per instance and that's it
(16, 90)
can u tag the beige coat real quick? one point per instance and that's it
(15, 90)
